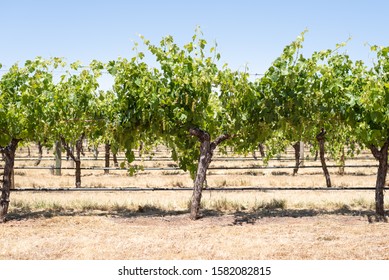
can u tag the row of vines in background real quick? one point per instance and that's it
(190, 103)
(34, 157)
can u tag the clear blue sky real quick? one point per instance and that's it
(247, 31)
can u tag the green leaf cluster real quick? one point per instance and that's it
(23, 99)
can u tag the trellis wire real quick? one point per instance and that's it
(170, 159)
(134, 189)
(177, 168)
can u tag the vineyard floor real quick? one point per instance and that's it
(228, 236)
(286, 224)
(155, 225)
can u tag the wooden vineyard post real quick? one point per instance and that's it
(301, 153)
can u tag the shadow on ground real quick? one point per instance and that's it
(146, 211)
(239, 217)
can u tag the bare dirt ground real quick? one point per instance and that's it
(242, 225)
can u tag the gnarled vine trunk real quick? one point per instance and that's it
(76, 158)
(206, 152)
(261, 149)
(58, 158)
(382, 157)
(296, 147)
(115, 159)
(9, 157)
(321, 139)
(40, 153)
(107, 153)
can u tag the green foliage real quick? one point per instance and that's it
(367, 102)
(187, 95)
(334, 83)
(197, 93)
(187, 89)
(245, 113)
(286, 98)
(71, 107)
(23, 97)
(303, 95)
(107, 120)
(293, 101)
(134, 103)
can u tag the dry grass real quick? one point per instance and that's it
(155, 179)
(155, 225)
(213, 237)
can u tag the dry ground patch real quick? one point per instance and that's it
(155, 225)
(213, 237)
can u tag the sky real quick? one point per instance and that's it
(248, 32)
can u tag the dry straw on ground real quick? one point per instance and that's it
(213, 237)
